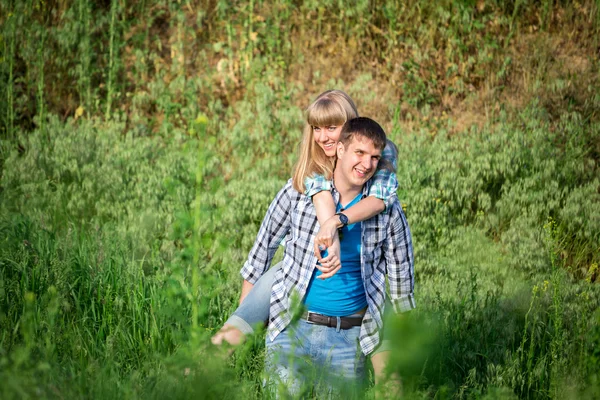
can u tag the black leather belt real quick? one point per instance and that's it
(320, 319)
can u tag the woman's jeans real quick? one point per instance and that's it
(255, 307)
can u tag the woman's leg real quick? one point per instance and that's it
(253, 310)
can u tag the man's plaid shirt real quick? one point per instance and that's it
(386, 251)
(384, 183)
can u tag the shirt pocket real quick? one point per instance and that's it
(304, 222)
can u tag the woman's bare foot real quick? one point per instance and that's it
(229, 334)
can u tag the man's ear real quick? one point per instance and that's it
(340, 149)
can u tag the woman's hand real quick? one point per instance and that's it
(332, 263)
(326, 235)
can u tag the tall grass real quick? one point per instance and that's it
(85, 55)
(112, 56)
(101, 281)
(9, 58)
(41, 82)
(146, 142)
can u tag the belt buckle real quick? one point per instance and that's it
(308, 314)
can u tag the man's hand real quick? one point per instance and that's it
(332, 263)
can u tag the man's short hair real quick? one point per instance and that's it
(363, 127)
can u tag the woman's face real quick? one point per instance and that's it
(327, 138)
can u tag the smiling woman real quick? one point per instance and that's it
(327, 137)
(324, 120)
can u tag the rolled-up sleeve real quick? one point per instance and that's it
(384, 184)
(273, 229)
(315, 184)
(400, 261)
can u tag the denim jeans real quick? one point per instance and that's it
(306, 356)
(255, 307)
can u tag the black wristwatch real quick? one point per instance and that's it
(343, 219)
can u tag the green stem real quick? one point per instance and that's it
(85, 89)
(181, 55)
(512, 22)
(111, 58)
(596, 24)
(547, 13)
(250, 48)
(10, 111)
(557, 342)
(41, 80)
(230, 44)
(197, 228)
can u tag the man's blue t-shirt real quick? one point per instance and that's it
(343, 293)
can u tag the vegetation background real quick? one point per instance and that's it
(143, 141)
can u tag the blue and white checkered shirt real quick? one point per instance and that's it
(386, 251)
(384, 183)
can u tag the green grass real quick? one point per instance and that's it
(123, 225)
(118, 268)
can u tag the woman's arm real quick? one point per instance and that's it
(330, 222)
(324, 206)
(325, 209)
(328, 237)
(382, 192)
(363, 210)
(319, 189)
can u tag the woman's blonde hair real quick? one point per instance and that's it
(332, 107)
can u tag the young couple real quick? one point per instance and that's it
(345, 180)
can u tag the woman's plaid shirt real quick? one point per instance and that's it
(386, 251)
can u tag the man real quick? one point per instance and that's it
(345, 312)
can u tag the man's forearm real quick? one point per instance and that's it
(246, 287)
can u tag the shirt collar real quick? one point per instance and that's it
(336, 194)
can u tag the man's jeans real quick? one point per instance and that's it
(306, 356)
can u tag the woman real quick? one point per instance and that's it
(312, 176)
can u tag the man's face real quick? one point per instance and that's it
(357, 163)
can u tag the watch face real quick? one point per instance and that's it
(343, 219)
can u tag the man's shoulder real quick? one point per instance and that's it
(289, 187)
(394, 204)
(289, 191)
(396, 209)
